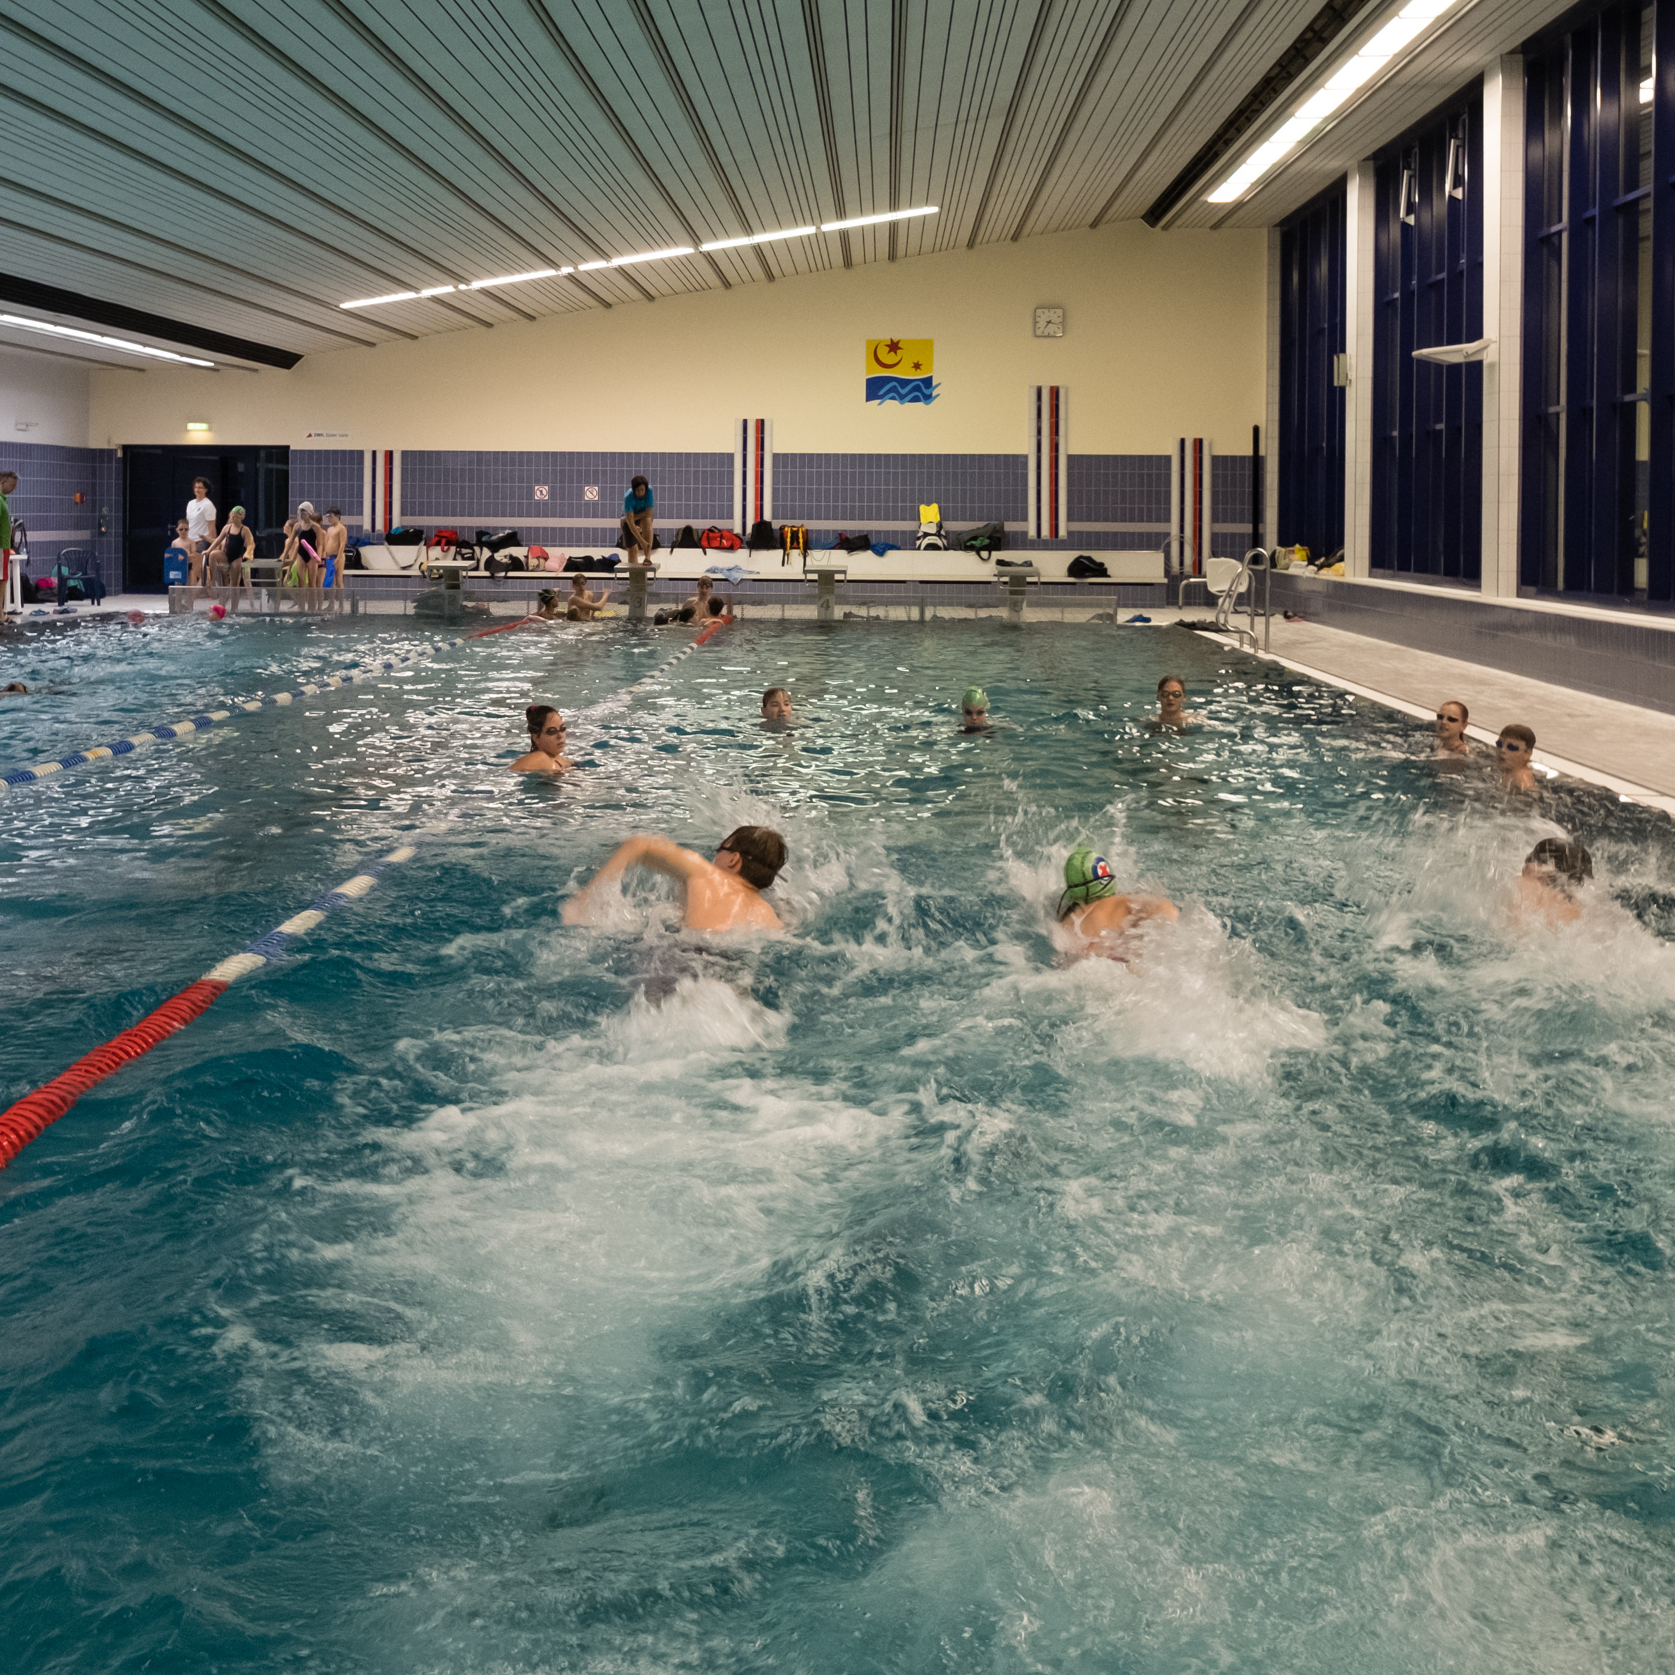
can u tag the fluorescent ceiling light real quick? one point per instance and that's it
(375, 302)
(1646, 91)
(588, 267)
(437, 291)
(869, 220)
(511, 279)
(126, 345)
(757, 238)
(1405, 27)
(652, 256)
(197, 424)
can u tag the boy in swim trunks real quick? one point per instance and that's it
(1093, 919)
(720, 895)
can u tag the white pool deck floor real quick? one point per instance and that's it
(1622, 747)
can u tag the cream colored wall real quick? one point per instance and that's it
(45, 400)
(1164, 338)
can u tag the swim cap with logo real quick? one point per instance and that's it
(1087, 878)
(975, 699)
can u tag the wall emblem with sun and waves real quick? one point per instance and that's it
(899, 369)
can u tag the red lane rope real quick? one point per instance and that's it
(36, 1111)
(504, 628)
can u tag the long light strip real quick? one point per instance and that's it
(126, 345)
(1406, 26)
(758, 238)
(870, 220)
(646, 256)
(652, 256)
(510, 279)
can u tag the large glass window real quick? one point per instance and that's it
(1597, 326)
(1311, 420)
(1427, 487)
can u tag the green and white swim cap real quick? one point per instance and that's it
(1087, 878)
(975, 698)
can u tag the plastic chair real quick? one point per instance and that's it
(73, 568)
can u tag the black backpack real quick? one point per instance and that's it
(1083, 565)
(762, 535)
(688, 537)
(985, 540)
(408, 535)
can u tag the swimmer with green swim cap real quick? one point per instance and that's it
(1094, 918)
(974, 709)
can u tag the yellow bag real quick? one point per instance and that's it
(931, 513)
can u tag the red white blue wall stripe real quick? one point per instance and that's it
(753, 473)
(1049, 453)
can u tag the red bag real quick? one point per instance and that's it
(444, 538)
(538, 555)
(722, 540)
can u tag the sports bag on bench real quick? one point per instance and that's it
(720, 540)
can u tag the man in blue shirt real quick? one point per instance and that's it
(636, 521)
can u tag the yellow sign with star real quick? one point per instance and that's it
(899, 369)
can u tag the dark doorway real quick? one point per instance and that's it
(157, 483)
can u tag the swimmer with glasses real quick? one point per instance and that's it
(1514, 756)
(1172, 713)
(1094, 919)
(546, 743)
(1451, 737)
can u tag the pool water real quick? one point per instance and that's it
(474, 1294)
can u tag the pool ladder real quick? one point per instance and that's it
(1240, 585)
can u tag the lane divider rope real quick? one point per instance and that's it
(35, 1112)
(201, 723)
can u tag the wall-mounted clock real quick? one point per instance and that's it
(1049, 322)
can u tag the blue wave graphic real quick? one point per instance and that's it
(911, 390)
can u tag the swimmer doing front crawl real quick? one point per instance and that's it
(1093, 918)
(720, 895)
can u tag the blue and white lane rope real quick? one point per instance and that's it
(203, 722)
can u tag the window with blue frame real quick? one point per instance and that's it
(1598, 499)
(1427, 466)
(1311, 417)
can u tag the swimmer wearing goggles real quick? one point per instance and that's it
(1094, 917)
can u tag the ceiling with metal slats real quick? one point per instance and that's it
(246, 166)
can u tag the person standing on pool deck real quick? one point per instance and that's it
(1514, 753)
(200, 528)
(547, 739)
(8, 487)
(1451, 737)
(1094, 919)
(336, 545)
(1171, 707)
(720, 895)
(637, 507)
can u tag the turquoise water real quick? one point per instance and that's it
(888, 1297)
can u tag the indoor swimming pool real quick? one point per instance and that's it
(472, 1294)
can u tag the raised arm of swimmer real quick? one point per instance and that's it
(720, 895)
